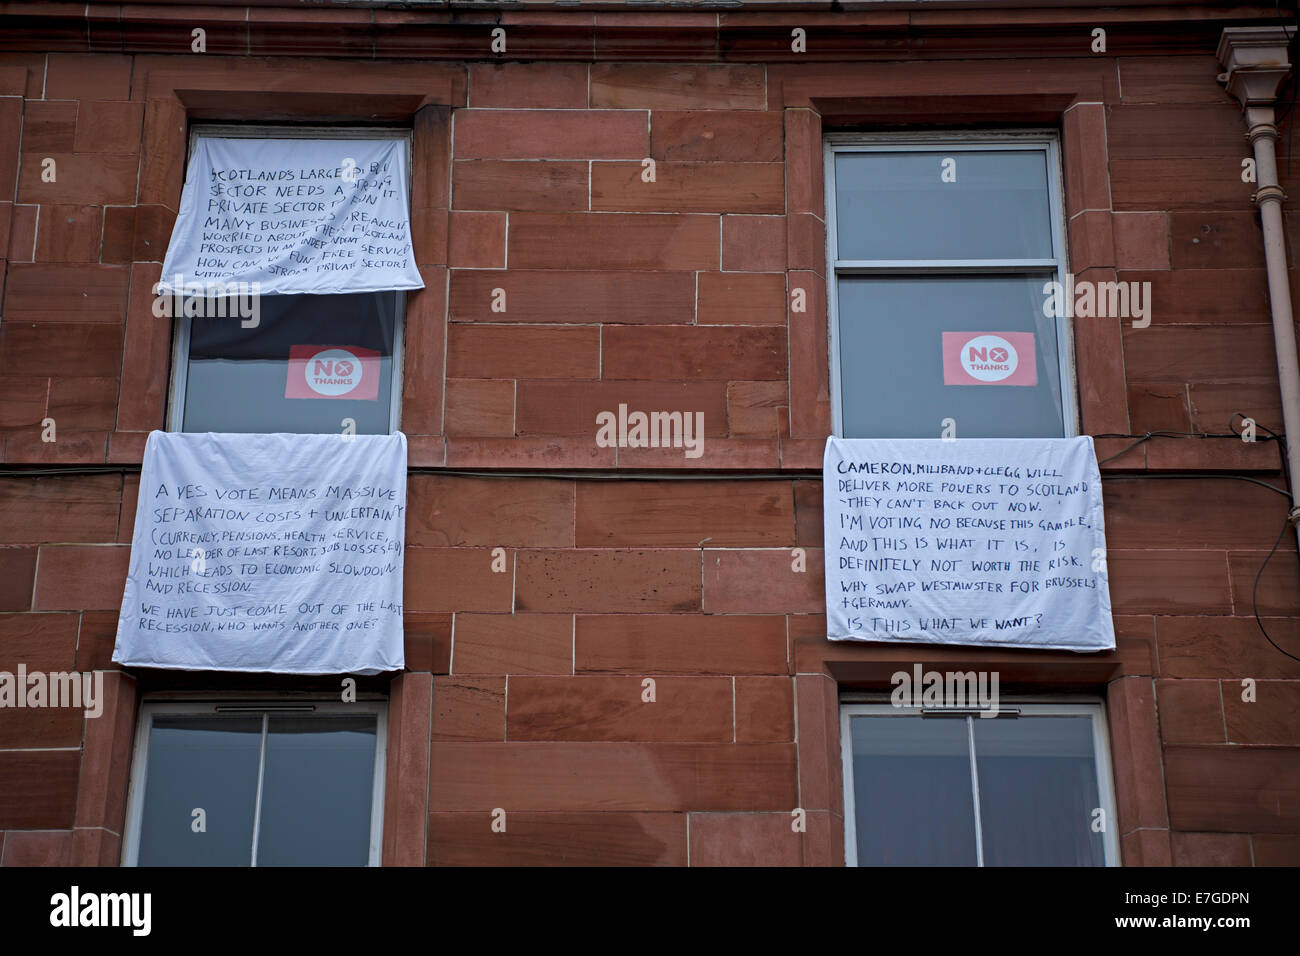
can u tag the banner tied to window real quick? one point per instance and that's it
(275, 553)
(996, 542)
(284, 216)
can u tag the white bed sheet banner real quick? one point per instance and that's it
(293, 216)
(992, 542)
(274, 553)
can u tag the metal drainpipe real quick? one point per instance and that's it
(1255, 60)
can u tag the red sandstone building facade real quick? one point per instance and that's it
(523, 695)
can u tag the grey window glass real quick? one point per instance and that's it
(912, 786)
(1038, 791)
(895, 205)
(316, 796)
(303, 784)
(891, 352)
(238, 379)
(207, 763)
(915, 791)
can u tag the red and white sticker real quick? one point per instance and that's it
(989, 358)
(324, 371)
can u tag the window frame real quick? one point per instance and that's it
(175, 420)
(1029, 707)
(211, 705)
(1053, 269)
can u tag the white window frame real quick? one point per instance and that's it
(181, 325)
(1029, 708)
(1054, 268)
(249, 705)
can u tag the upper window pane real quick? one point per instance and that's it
(1038, 792)
(312, 361)
(899, 205)
(200, 763)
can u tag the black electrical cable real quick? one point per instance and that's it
(792, 475)
(1172, 434)
(1145, 438)
(1254, 594)
(1274, 436)
(1198, 474)
(619, 476)
(1286, 479)
(69, 470)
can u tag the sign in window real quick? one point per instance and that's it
(285, 276)
(940, 252)
(312, 361)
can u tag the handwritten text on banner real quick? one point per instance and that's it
(276, 553)
(294, 216)
(997, 542)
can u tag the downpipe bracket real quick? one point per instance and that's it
(1268, 194)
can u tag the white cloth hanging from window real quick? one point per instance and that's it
(276, 553)
(984, 541)
(292, 216)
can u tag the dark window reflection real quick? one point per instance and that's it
(317, 792)
(317, 779)
(1037, 785)
(243, 380)
(205, 763)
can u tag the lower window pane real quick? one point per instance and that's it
(1038, 791)
(316, 795)
(200, 763)
(899, 373)
(312, 361)
(912, 787)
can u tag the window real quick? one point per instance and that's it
(940, 248)
(231, 375)
(246, 783)
(950, 790)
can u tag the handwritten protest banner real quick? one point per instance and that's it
(293, 216)
(996, 542)
(277, 553)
